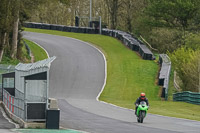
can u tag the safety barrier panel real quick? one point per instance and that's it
(14, 105)
(27, 48)
(131, 42)
(164, 74)
(127, 39)
(187, 96)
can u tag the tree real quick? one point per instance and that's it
(5, 24)
(185, 62)
(16, 9)
(21, 11)
(12, 14)
(129, 13)
(172, 13)
(113, 6)
(53, 12)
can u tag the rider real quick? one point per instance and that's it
(141, 98)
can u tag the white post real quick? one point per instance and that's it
(90, 14)
(199, 74)
(25, 104)
(90, 10)
(100, 25)
(47, 89)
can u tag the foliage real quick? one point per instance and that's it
(8, 60)
(165, 39)
(171, 20)
(186, 64)
(172, 13)
(12, 16)
(193, 41)
(51, 12)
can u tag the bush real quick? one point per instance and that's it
(186, 63)
(193, 41)
(165, 39)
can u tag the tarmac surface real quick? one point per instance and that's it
(5, 125)
(76, 79)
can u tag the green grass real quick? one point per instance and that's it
(8, 60)
(23, 55)
(38, 52)
(128, 75)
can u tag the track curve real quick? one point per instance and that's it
(77, 77)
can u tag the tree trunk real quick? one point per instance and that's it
(15, 38)
(1, 54)
(2, 41)
(113, 10)
(15, 28)
(129, 18)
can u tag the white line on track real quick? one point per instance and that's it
(42, 48)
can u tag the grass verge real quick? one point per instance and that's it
(37, 51)
(128, 75)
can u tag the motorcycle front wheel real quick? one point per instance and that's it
(138, 120)
(141, 117)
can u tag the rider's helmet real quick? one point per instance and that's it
(142, 96)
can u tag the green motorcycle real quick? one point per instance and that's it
(141, 111)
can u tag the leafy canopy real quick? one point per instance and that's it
(172, 13)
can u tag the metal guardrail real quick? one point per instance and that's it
(27, 48)
(187, 96)
(164, 74)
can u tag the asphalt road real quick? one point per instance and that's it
(5, 125)
(76, 78)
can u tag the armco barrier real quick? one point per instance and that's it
(27, 48)
(187, 96)
(127, 39)
(130, 42)
(164, 74)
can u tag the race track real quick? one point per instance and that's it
(76, 78)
